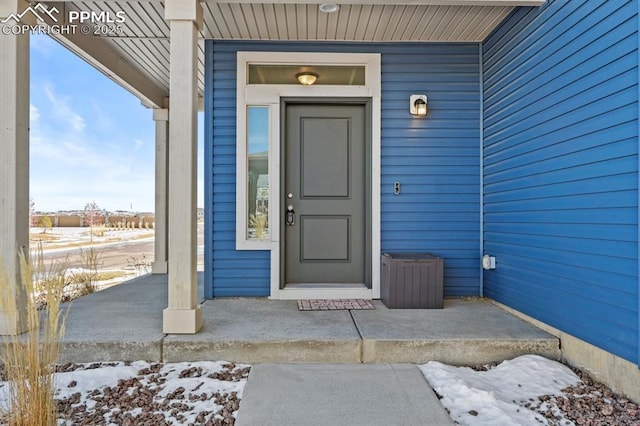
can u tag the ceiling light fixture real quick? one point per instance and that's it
(329, 7)
(307, 78)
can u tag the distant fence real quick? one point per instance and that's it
(66, 221)
(142, 221)
(75, 221)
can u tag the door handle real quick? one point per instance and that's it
(289, 219)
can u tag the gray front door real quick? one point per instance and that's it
(325, 182)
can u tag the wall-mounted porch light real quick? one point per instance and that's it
(307, 78)
(418, 105)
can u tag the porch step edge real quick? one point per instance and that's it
(456, 352)
(254, 352)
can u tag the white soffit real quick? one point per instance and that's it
(141, 50)
(353, 22)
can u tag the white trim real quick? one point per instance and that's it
(271, 95)
(324, 293)
(242, 242)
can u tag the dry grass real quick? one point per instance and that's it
(100, 276)
(74, 284)
(91, 260)
(78, 244)
(142, 236)
(98, 230)
(33, 237)
(30, 359)
(259, 223)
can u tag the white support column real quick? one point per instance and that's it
(159, 266)
(14, 162)
(183, 315)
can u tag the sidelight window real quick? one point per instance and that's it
(257, 185)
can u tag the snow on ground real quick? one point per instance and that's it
(147, 393)
(65, 238)
(80, 233)
(501, 395)
(523, 391)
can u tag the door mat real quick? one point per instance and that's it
(334, 305)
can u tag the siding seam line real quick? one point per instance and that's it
(638, 158)
(481, 110)
(208, 170)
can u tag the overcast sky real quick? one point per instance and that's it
(91, 140)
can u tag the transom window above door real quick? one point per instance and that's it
(336, 75)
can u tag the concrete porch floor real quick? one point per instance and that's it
(125, 323)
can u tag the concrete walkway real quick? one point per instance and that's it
(339, 394)
(312, 367)
(125, 323)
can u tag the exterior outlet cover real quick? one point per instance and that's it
(488, 262)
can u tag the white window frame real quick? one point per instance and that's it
(243, 242)
(270, 95)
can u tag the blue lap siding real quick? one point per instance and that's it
(530, 148)
(561, 168)
(437, 161)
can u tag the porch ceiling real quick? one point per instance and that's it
(138, 58)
